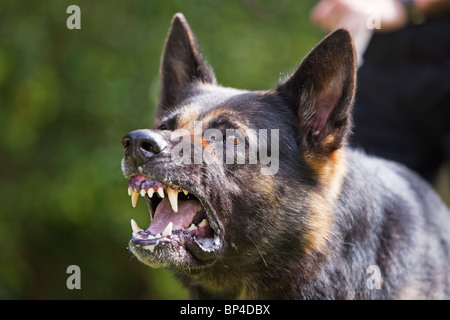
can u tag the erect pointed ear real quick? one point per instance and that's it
(181, 65)
(321, 93)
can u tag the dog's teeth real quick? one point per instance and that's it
(150, 247)
(135, 227)
(185, 192)
(203, 223)
(160, 192)
(129, 191)
(143, 192)
(168, 230)
(134, 198)
(150, 192)
(172, 194)
(192, 227)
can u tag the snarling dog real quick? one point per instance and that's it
(317, 221)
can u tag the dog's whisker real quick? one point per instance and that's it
(265, 263)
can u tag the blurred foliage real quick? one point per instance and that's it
(66, 99)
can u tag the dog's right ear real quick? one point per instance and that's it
(181, 65)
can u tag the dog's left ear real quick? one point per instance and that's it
(182, 64)
(321, 93)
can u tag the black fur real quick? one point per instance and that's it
(312, 230)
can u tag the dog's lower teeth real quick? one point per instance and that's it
(172, 195)
(192, 227)
(203, 223)
(135, 227)
(150, 247)
(168, 230)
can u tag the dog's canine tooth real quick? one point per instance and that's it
(185, 192)
(129, 191)
(172, 194)
(160, 192)
(143, 192)
(134, 198)
(203, 223)
(150, 192)
(135, 227)
(168, 230)
(192, 227)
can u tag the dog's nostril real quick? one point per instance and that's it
(126, 143)
(149, 147)
(143, 144)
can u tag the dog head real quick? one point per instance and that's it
(238, 180)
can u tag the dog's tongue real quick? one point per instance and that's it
(181, 220)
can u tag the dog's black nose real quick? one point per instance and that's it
(143, 144)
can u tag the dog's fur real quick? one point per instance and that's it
(312, 230)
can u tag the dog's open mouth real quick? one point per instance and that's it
(179, 219)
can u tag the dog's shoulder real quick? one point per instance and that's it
(389, 183)
(392, 219)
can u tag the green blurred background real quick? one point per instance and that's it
(66, 99)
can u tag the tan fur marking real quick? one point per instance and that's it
(329, 139)
(217, 112)
(185, 119)
(319, 225)
(331, 172)
(245, 293)
(265, 185)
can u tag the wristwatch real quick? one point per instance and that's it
(415, 16)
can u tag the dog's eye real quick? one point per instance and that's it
(233, 139)
(163, 126)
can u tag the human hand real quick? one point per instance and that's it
(355, 15)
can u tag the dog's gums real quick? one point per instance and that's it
(178, 219)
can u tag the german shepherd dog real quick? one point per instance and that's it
(326, 222)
